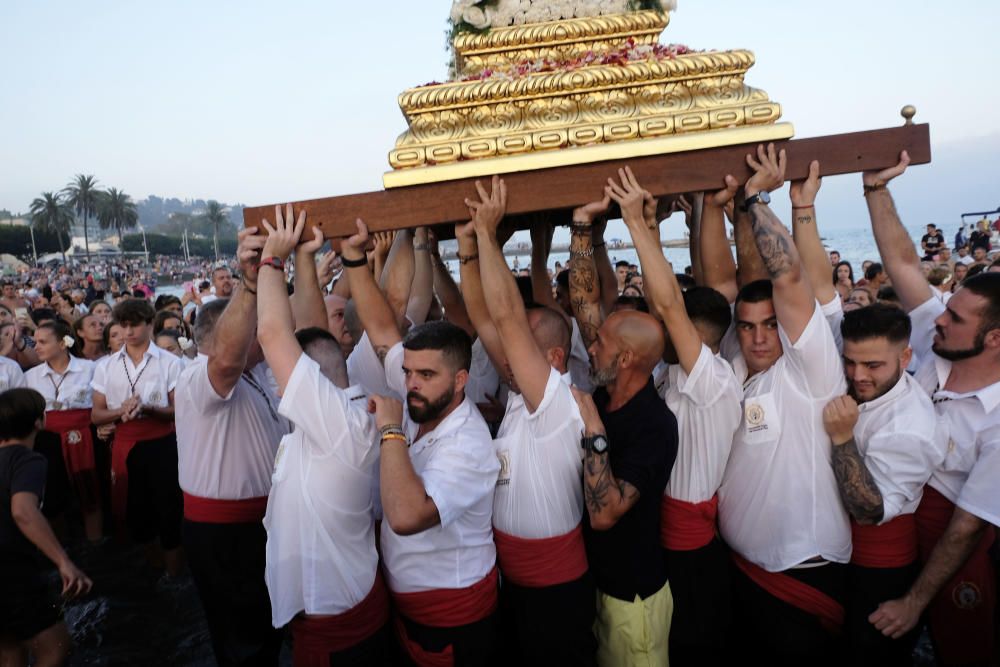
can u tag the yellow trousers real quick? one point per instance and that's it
(634, 634)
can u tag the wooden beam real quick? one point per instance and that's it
(572, 186)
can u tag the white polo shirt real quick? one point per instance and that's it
(69, 391)
(321, 555)
(365, 369)
(707, 405)
(971, 423)
(539, 492)
(226, 444)
(902, 444)
(779, 504)
(11, 375)
(152, 380)
(459, 469)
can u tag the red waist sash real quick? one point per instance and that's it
(892, 544)
(444, 608)
(687, 526)
(127, 435)
(216, 510)
(794, 592)
(314, 638)
(537, 563)
(73, 427)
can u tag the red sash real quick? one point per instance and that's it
(314, 638)
(961, 614)
(892, 544)
(127, 435)
(216, 510)
(73, 427)
(537, 563)
(444, 608)
(687, 526)
(794, 592)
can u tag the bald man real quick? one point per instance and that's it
(630, 443)
(336, 306)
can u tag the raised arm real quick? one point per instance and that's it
(307, 302)
(794, 302)
(422, 290)
(718, 268)
(605, 271)
(541, 244)
(660, 282)
(894, 244)
(373, 309)
(447, 291)
(397, 277)
(749, 263)
(584, 286)
(806, 235)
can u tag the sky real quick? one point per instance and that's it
(256, 102)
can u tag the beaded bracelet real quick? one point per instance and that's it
(393, 436)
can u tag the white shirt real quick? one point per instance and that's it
(834, 314)
(226, 444)
(779, 503)
(484, 381)
(11, 375)
(74, 391)
(898, 436)
(153, 379)
(539, 493)
(321, 555)
(707, 405)
(459, 469)
(971, 422)
(579, 360)
(364, 368)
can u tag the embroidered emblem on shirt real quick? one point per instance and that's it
(755, 414)
(73, 437)
(154, 397)
(966, 595)
(504, 478)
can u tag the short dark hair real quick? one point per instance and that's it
(165, 300)
(525, 288)
(879, 320)
(161, 317)
(134, 311)
(873, 270)
(755, 292)
(887, 293)
(621, 263)
(974, 271)
(708, 306)
(311, 335)
(39, 315)
(633, 302)
(452, 341)
(562, 279)
(551, 329)
(20, 410)
(987, 286)
(685, 281)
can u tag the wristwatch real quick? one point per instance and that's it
(596, 443)
(762, 197)
(273, 262)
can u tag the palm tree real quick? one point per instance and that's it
(116, 209)
(49, 212)
(216, 214)
(82, 194)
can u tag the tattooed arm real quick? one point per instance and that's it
(584, 286)
(794, 301)
(806, 234)
(376, 315)
(606, 497)
(858, 490)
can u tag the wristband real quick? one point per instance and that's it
(803, 208)
(390, 427)
(874, 188)
(273, 262)
(465, 259)
(393, 436)
(599, 245)
(354, 263)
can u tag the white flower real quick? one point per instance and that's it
(68, 341)
(185, 343)
(476, 17)
(458, 8)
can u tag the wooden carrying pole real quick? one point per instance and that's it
(572, 186)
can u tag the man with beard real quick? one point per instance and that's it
(958, 344)
(885, 447)
(222, 281)
(630, 440)
(436, 495)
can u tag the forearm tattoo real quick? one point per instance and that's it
(805, 219)
(773, 243)
(857, 487)
(600, 488)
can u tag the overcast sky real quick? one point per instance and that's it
(258, 102)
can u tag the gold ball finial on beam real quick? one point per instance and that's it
(908, 112)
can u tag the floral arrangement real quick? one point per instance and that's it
(482, 15)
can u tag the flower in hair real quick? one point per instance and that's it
(68, 341)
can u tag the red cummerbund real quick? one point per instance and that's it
(451, 607)
(687, 526)
(794, 592)
(127, 435)
(892, 544)
(216, 510)
(314, 638)
(537, 563)
(73, 427)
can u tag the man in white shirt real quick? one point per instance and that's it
(958, 344)
(322, 567)
(547, 599)
(779, 507)
(436, 495)
(228, 430)
(885, 447)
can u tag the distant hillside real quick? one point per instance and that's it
(172, 216)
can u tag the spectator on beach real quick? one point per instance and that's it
(931, 242)
(834, 258)
(843, 279)
(963, 255)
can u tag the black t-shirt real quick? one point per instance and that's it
(21, 469)
(979, 239)
(627, 560)
(932, 242)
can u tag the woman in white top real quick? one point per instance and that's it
(89, 334)
(64, 381)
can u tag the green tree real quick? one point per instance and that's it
(50, 213)
(116, 210)
(82, 194)
(217, 214)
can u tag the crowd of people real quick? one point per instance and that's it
(614, 465)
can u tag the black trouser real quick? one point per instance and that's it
(227, 563)
(376, 651)
(703, 614)
(866, 589)
(548, 626)
(471, 645)
(155, 502)
(57, 489)
(772, 632)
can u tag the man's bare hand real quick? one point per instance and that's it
(768, 168)
(721, 198)
(285, 234)
(75, 582)
(630, 197)
(895, 618)
(388, 411)
(311, 247)
(803, 193)
(839, 418)
(325, 268)
(586, 214)
(884, 176)
(383, 243)
(353, 248)
(491, 207)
